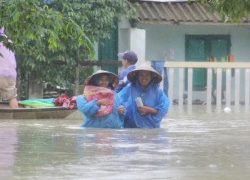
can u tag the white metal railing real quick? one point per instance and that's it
(240, 68)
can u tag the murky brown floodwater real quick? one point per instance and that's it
(190, 146)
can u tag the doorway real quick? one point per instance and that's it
(200, 48)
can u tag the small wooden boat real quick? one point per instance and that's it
(55, 112)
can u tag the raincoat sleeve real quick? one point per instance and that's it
(124, 95)
(123, 78)
(118, 102)
(162, 106)
(87, 108)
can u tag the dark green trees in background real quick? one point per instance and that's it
(51, 37)
(229, 10)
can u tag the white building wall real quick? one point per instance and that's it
(132, 39)
(163, 38)
(137, 43)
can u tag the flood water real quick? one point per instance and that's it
(193, 145)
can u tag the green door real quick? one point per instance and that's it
(108, 50)
(199, 48)
(219, 50)
(196, 52)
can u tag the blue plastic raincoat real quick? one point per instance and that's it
(112, 120)
(152, 97)
(123, 78)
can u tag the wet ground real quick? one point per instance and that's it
(196, 145)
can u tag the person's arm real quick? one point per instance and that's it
(124, 94)
(119, 87)
(161, 107)
(145, 109)
(87, 108)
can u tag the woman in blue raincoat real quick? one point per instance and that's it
(100, 105)
(146, 104)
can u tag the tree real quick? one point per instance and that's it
(232, 10)
(46, 33)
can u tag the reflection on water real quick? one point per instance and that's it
(193, 145)
(8, 143)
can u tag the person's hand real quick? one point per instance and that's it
(147, 110)
(121, 109)
(103, 102)
(142, 110)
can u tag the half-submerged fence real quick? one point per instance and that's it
(236, 88)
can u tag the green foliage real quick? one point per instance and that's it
(232, 10)
(52, 37)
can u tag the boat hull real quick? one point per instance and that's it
(35, 113)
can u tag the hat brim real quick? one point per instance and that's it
(157, 78)
(114, 77)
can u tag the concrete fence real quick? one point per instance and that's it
(236, 89)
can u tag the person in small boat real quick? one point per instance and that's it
(100, 105)
(146, 104)
(8, 74)
(129, 59)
